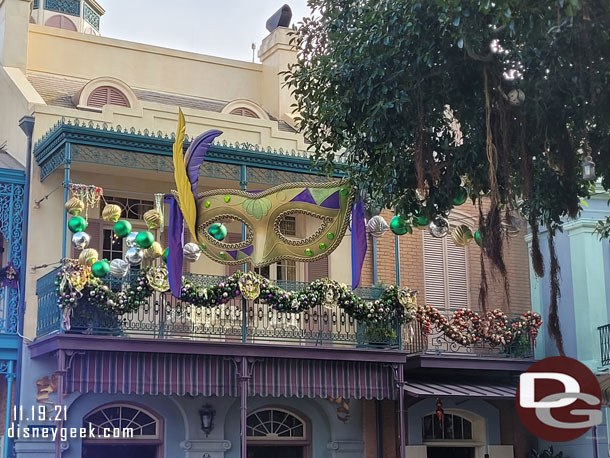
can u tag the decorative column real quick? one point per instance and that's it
(589, 284)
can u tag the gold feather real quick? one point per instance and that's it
(183, 185)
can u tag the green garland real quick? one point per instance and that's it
(394, 304)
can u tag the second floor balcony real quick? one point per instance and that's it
(163, 317)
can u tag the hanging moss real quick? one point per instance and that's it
(553, 323)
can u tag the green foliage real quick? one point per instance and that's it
(375, 78)
(548, 453)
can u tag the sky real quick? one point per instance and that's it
(222, 28)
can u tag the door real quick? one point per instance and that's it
(450, 452)
(119, 451)
(274, 451)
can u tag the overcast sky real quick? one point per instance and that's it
(223, 28)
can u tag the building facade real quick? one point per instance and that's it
(583, 308)
(240, 379)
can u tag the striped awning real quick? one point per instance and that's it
(431, 388)
(179, 374)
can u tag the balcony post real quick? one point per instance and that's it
(67, 161)
(243, 182)
(397, 257)
(10, 375)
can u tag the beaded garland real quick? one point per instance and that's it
(467, 327)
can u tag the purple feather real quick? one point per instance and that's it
(195, 155)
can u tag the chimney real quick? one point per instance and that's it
(276, 54)
(14, 20)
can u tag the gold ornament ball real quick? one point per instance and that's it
(111, 212)
(153, 219)
(462, 235)
(154, 252)
(88, 257)
(74, 206)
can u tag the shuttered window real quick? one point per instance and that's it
(244, 112)
(233, 238)
(317, 269)
(107, 95)
(445, 273)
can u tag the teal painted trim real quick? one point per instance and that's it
(12, 176)
(9, 343)
(45, 150)
(589, 289)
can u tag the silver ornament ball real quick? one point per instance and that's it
(516, 97)
(439, 227)
(81, 240)
(377, 226)
(134, 256)
(130, 240)
(119, 268)
(191, 251)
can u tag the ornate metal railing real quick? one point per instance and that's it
(604, 342)
(437, 343)
(163, 316)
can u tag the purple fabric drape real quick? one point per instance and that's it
(358, 242)
(175, 245)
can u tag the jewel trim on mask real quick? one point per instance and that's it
(202, 230)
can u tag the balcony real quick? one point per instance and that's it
(604, 341)
(245, 321)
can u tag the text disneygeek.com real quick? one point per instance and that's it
(52, 432)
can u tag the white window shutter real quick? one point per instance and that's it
(445, 273)
(457, 275)
(434, 272)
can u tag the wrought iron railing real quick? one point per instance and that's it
(604, 342)
(239, 320)
(437, 343)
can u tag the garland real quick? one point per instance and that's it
(73, 284)
(467, 327)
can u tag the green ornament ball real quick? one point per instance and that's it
(399, 226)
(145, 239)
(165, 254)
(478, 238)
(460, 197)
(77, 224)
(218, 231)
(100, 268)
(122, 228)
(421, 220)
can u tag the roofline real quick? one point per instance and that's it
(104, 136)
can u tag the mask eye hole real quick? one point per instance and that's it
(299, 227)
(233, 225)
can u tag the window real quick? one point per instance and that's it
(287, 270)
(242, 111)
(451, 427)
(445, 273)
(132, 208)
(61, 22)
(275, 424)
(143, 424)
(112, 246)
(107, 95)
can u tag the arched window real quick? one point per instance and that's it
(449, 427)
(61, 22)
(242, 111)
(140, 423)
(445, 273)
(275, 424)
(107, 95)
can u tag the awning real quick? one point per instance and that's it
(179, 374)
(421, 389)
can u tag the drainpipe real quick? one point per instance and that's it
(67, 160)
(9, 389)
(595, 453)
(375, 271)
(401, 409)
(397, 256)
(27, 126)
(378, 418)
